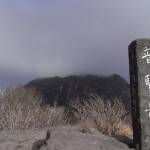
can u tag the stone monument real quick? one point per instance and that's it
(139, 64)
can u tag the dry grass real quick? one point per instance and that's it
(109, 118)
(21, 108)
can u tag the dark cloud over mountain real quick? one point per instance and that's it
(49, 38)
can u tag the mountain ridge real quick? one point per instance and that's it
(62, 90)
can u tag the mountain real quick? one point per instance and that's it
(63, 90)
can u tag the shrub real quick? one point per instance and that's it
(21, 108)
(108, 117)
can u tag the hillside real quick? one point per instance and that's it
(63, 90)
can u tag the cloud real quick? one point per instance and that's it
(48, 38)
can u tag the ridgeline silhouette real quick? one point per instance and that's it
(62, 90)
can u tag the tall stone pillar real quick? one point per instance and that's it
(139, 64)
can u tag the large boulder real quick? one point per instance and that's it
(73, 138)
(20, 139)
(60, 138)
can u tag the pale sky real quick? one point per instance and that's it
(45, 38)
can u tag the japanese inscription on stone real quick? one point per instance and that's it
(139, 61)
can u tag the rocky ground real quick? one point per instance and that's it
(62, 138)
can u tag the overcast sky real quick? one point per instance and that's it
(41, 38)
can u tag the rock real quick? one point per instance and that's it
(59, 138)
(89, 130)
(20, 139)
(72, 138)
(124, 139)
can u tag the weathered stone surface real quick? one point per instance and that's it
(59, 138)
(20, 139)
(72, 138)
(128, 140)
(139, 60)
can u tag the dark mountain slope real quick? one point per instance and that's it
(62, 90)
